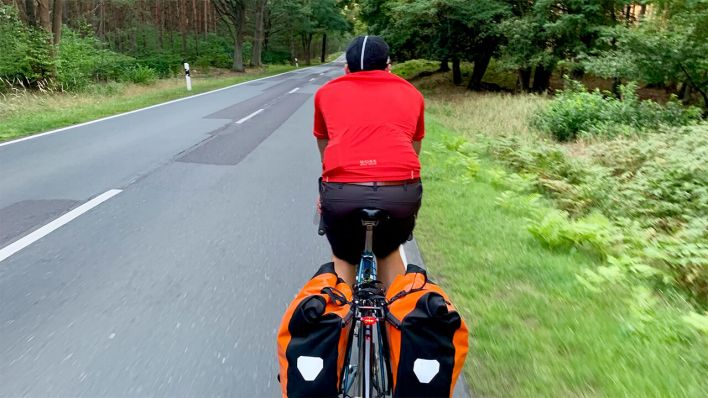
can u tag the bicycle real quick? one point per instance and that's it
(367, 370)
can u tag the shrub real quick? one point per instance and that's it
(575, 111)
(640, 199)
(82, 60)
(163, 64)
(410, 69)
(140, 74)
(25, 56)
(276, 57)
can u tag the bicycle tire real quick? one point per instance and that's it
(381, 363)
(367, 387)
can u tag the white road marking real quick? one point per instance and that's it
(250, 116)
(31, 137)
(322, 73)
(403, 255)
(40, 233)
(293, 90)
(312, 79)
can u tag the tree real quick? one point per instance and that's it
(30, 12)
(57, 20)
(543, 32)
(233, 13)
(667, 50)
(454, 30)
(258, 32)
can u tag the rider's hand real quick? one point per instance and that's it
(319, 205)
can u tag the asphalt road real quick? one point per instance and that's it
(152, 254)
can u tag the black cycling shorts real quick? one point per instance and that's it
(342, 222)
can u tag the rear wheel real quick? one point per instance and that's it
(366, 362)
(380, 362)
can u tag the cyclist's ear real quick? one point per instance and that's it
(346, 69)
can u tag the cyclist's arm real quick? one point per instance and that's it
(320, 129)
(321, 145)
(419, 129)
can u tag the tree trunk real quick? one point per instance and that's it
(102, 21)
(682, 92)
(525, 79)
(323, 57)
(256, 54)
(43, 10)
(57, 17)
(541, 79)
(238, 54)
(307, 47)
(642, 11)
(456, 71)
(206, 20)
(194, 23)
(267, 25)
(616, 83)
(159, 17)
(628, 14)
(30, 11)
(183, 25)
(238, 43)
(481, 63)
(444, 66)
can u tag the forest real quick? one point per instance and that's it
(72, 43)
(660, 43)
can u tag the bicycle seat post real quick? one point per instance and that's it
(369, 242)
(367, 267)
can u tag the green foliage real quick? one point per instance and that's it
(82, 60)
(576, 111)
(539, 331)
(668, 49)
(276, 57)
(165, 63)
(139, 74)
(661, 180)
(25, 57)
(640, 203)
(410, 69)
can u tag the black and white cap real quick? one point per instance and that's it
(367, 53)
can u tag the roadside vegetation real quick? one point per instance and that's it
(566, 187)
(572, 232)
(63, 63)
(25, 112)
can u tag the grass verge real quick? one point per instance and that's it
(24, 113)
(535, 330)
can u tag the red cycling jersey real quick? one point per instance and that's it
(371, 119)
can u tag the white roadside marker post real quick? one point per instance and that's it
(187, 77)
(296, 65)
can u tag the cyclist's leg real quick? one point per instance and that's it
(389, 267)
(344, 270)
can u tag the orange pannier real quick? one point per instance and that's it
(312, 337)
(427, 337)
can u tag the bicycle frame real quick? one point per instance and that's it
(369, 307)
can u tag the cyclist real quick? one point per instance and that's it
(369, 125)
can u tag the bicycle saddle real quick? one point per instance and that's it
(372, 214)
